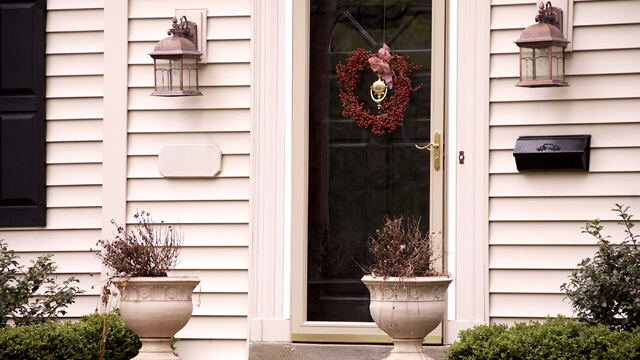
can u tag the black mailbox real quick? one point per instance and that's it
(552, 153)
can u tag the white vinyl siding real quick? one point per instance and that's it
(535, 219)
(74, 90)
(213, 213)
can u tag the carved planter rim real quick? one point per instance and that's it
(155, 279)
(370, 279)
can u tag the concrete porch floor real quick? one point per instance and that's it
(297, 351)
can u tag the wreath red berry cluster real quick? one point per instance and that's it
(392, 111)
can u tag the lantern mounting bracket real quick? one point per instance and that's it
(186, 29)
(550, 15)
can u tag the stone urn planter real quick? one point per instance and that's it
(407, 309)
(156, 308)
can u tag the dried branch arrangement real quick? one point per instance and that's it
(149, 249)
(401, 249)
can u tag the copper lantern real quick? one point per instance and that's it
(542, 48)
(175, 61)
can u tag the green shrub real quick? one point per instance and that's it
(70, 341)
(605, 290)
(31, 296)
(555, 339)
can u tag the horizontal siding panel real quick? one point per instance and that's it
(74, 196)
(538, 257)
(197, 258)
(74, 152)
(229, 28)
(208, 75)
(573, 112)
(502, 41)
(219, 304)
(150, 144)
(74, 130)
(75, 43)
(75, 64)
(85, 304)
(518, 16)
(187, 189)
(578, 63)
(194, 212)
(161, 9)
(215, 234)
(513, 2)
(218, 51)
(51, 240)
(146, 167)
(214, 349)
(528, 305)
(75, 20)
(606, 12)
(213, 98)
(219, 281)
(527, 281)
(68, 109)
(557, 209)
(174, 121)
(229, 51)
(215, 327)
(602, 135)
(74, 4)
(75, 86)
(544, 232)
(582, 87)
(69, 262)
(74, 174)
(563, 184)
(602, 160)
(606, 37)
(74, 218)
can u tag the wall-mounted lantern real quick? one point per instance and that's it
(175, 61)
(542, 48)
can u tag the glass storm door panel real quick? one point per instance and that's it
(357, 177)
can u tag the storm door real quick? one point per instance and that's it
(357, 177)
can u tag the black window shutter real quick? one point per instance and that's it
(22, 113)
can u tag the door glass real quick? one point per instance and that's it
(355, 176)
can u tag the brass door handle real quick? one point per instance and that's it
(435, 146)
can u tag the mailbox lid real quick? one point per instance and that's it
(552, 153)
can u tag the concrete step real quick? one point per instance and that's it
(298, 351)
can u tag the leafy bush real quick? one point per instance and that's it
(31, 296)
(560, 338)
(70, 341)
(605, 290)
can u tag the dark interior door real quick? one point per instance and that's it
(355, 176)
(22, 113)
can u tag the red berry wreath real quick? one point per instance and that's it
(392, 111)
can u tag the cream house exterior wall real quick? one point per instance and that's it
(104, 133)
(535, 219)
(517, 235)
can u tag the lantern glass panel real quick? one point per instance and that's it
(541, 56)
(190, 74)
(557, 62)
(167, 74)
(527, 68)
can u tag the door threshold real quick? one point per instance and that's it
(297, 351)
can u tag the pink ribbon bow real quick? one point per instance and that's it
(380, 65)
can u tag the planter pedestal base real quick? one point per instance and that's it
(408, 349)
(156, 349)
